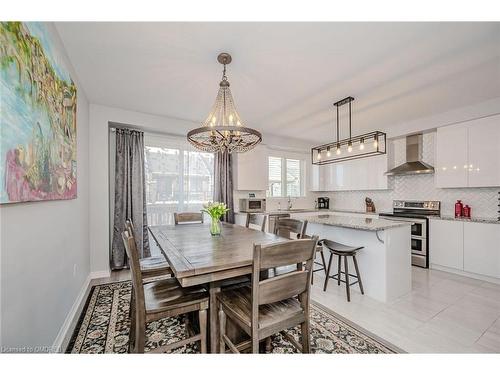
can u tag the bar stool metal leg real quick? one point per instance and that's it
(347, 286)
(339, 273)
(328, 272)
(358, 274)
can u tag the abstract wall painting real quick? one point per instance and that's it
(37, 117)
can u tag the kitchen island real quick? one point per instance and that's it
(385, 260)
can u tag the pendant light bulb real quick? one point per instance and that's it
(328, 153)
(319, 155)
(375, 142)
(338, 149)
(349, 147)
(362, 144)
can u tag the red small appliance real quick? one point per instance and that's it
(459, 207)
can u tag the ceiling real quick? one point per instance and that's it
(285, 76)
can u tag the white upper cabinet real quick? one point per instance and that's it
(484, 152)
(360, 174)
(468, 155)
(451, 156)
(251, 169)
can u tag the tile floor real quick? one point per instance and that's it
(444, 313)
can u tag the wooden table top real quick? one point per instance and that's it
(191, 250)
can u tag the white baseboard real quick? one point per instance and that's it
(59, 343)
(65, 332)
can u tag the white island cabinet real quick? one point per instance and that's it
(385, 260)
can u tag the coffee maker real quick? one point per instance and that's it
(323, 203)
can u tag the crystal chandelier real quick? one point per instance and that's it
(224, 130)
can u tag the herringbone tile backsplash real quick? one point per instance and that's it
(483, 201)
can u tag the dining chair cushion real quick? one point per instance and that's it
(238, 303)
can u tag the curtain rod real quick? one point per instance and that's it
(116, 125)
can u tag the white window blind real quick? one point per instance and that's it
(285, 177)
(275, 185)
(177, 178)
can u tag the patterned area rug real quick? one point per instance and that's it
(104, 328)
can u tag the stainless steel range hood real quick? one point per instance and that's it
(414, 163)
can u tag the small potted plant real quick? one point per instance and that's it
(215, 210)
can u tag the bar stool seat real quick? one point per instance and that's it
(345, 251)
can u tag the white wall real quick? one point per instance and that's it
(45, 258)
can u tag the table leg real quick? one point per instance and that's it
(214, 289)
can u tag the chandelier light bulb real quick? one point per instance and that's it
(319, 155)
(349, 147)
(362, 144)
(328, 153)
(375, 142)
(338, 152)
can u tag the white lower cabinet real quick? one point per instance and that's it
(482, 249)
(466, 246)
(446, 245)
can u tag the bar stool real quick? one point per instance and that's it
(342, 251)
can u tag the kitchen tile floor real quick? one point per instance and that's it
(444, 313)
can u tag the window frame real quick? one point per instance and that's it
(284, 181)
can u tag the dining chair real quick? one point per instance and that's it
(272, 305)
(290, 228)
(162, 299)
(256, 221)
(188, 217)
(151, 267)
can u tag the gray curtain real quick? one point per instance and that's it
(223, 189)
(130, 195)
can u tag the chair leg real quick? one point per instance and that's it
(255, 344)
(132, 338)
(140, 339)
(305, 336)
(203, 330)
(222, 331)
(339, 270)
(268, 344)
(358, 274)
(346, 270)
(328, 272)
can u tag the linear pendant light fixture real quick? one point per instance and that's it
(357, 147)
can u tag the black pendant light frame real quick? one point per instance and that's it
(327, 156)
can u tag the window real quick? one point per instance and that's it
(177, 178)
(285, 177)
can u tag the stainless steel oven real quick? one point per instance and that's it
(417, 213)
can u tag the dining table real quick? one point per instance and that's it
(199, 258)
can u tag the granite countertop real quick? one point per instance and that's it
(471, 220)
(355, 222)
(305, 210)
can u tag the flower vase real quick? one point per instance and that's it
(215, 227)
